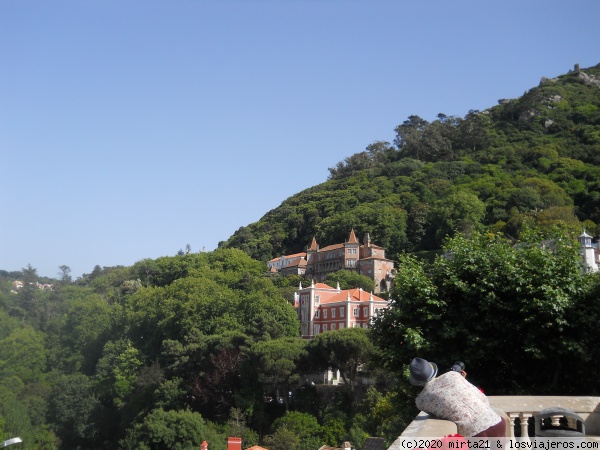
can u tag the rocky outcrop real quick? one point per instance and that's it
(588, 79)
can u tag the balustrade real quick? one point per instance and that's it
(519, 410)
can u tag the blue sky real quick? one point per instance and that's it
(129, 129)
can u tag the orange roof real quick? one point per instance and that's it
(298, 262)
(322, 286)
(313, 244)
(296, 255)
(355, 295)
(332, 247)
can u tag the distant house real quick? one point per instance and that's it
(289, 264)
(18, 285)
(322, 308)
(365, 259)
(45, 286)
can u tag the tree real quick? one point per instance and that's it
(303, 426)
(27, 294)
(177, 430)
(65, 274)
(345, 350)
(73, 411)
(503, 309)
(236, 426)
(461, 211)
(275, 362)
(282, 439)
(81, 334)
(211, 366)
(352, 164)
(350, 280)
(117, 370)
(22, 354)
(409, 135)
(472, 131)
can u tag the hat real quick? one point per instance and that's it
(458, 366)
(422, 371)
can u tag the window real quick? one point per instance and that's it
(317, 299)
(317, 314)
(325, 314)
(355, 312)
(342, 312)
(317, 329)
(324, 328)
(365, 311)
(332, 326)
(333, 313)
(341, 325)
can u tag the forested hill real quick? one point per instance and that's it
(532, 160)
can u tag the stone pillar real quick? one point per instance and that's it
(512, 417)
(524, 426)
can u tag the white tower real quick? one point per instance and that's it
(588, 253)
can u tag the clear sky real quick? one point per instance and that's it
(131, 128)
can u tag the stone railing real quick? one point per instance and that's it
(517, 411)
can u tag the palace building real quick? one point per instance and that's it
(322, 308)
(365, 259)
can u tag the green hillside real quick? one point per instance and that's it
(169, 352)
(531, 160)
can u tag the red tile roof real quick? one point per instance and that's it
(332, 247)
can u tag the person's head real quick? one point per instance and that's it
(422, 371)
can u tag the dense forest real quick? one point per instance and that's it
(528, 161)
(170, 352)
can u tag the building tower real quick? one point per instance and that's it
(588, 253)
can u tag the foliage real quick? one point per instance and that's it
(172, 351)
(283, 439)
(473, 294)
(499, 169)
(350, 280)
(275, 364)
(303, 425)
(74, 411)
(177, 430)
(345, 350)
